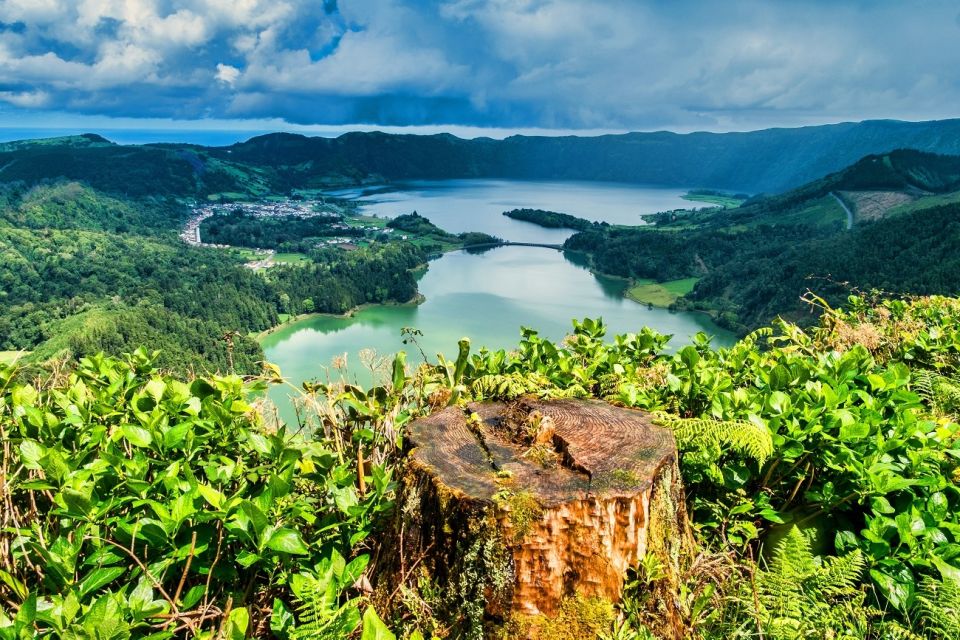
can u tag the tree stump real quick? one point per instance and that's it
(510, 510)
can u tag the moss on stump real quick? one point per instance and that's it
(509, 513)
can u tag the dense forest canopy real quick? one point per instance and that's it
(84, 271)
(550, 219)
(241, 229)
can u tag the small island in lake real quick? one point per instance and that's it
(552, 219)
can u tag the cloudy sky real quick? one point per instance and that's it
(508, 65)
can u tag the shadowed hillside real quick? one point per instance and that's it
(770, 160)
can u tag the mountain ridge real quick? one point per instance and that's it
(767, 160)
(771, 160)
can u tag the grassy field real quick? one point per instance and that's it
(291, 258)
(228, 196)
(727, 202)
(366, 221)
(246, 254)
(280, 258)
(924, 203)
(7, 357)
(660, 294)
(823, 211)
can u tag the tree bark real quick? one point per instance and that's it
(512, 510)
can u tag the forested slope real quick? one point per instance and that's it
(125, 170)
(770, 160)
(82, 270)
(757, 261)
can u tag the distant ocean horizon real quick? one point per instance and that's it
(208, 137)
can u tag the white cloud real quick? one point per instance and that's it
(227, 74)
(363, 64)
(553, 63)
(26, 99)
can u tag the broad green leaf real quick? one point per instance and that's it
(947, 571)
(211, 495)
(399, 371)
(237, 623)
(193, 596)
(155, 389)
(854, 431)
(27, 612)
(281, 619)
(175, 436)
(99, 578)
(31, 452)
(286, 540)
(898, 590)
(778, 403)
(257, 518)
(938, 506)
(14, 584)
(689, 356)
(374, 628)
(137, 436)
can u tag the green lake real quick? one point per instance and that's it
(487, 296)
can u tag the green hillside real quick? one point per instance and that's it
(912, 173)
(82, 270)
(757, 261)
(771, 160)
(129, 170)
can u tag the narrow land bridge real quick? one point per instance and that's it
(508, 243)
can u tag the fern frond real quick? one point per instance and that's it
(938, 608)
(780, 587)
(318, 615)
(941, 393)
(748, 438)
(948, 392)
(923, 382)
(896, 631)
(840, 575)
(801, 595)
(749, 340)
(508, 386)
(573, 391)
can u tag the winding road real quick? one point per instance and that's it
(845, 208)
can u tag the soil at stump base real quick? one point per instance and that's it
(510, 512)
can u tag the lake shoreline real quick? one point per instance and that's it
(415, 301)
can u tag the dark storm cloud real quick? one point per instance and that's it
(503, 63)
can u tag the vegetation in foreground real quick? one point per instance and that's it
(822, 471)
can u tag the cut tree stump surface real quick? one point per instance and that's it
(601, 450)
(559, 498)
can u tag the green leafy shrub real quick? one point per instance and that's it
(138, 505)
(856, 445)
